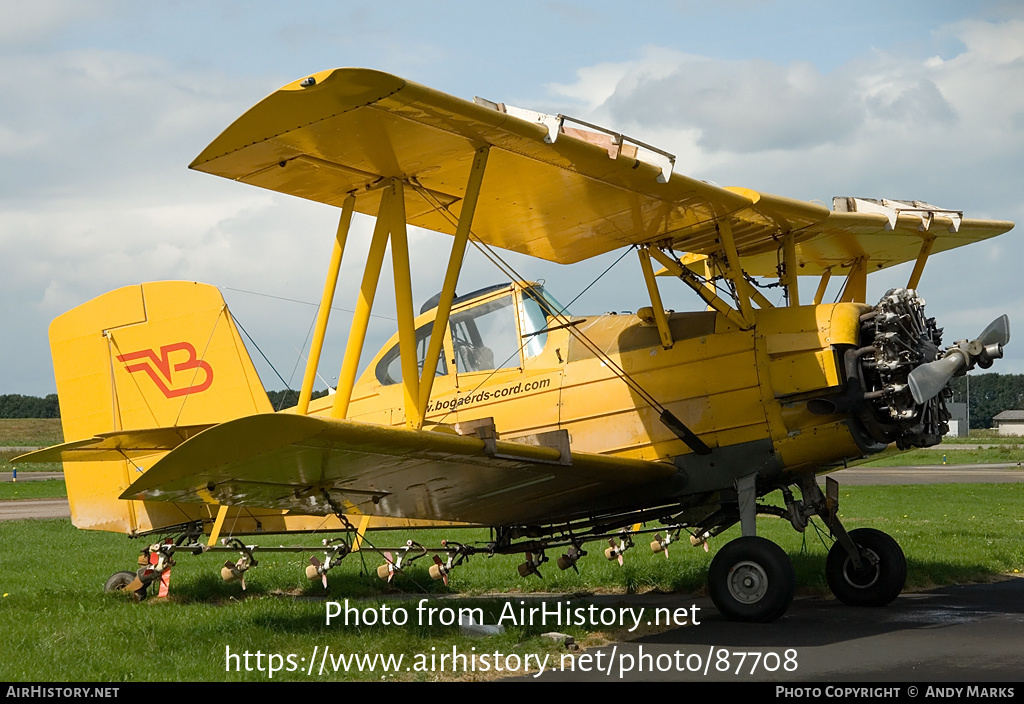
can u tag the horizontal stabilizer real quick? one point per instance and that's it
(120, 445)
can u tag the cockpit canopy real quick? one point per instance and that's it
(497, 327)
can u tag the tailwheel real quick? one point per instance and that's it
(881, 576)
(752, 579)
(122, 582)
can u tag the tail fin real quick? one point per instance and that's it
(155, 355)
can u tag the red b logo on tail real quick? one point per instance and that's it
(158, 367)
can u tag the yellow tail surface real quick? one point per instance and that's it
(165, 355)
(155, 355)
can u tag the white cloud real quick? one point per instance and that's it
(94, 192)
(738, 106)
(946, 130)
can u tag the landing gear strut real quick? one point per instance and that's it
(752, 579)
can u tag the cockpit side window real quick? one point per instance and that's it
(485, 337)
(389, 368)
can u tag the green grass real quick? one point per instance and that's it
(59, 626)
(999, 454)
(54, 615)
(30, 432)
(976, 433)
(44, 489)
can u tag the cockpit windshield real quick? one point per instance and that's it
(484, 336)
(539, 307)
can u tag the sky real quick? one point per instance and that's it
(105, 103)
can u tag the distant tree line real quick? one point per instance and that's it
(991, 394)
(289, 398)
(18, 406)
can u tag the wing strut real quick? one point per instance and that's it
(856, 282)
(708, 295)
(819, 295)
(922, 258)
(390, 225)
(789, 267)
(361, 317)
(330, 286)
(652, 288)
(734, 271)
(403, 304)
(451, 277)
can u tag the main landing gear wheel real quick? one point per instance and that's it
(119, 582)
(882, 576)
(752, 579)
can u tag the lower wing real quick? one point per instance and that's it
(319, 466)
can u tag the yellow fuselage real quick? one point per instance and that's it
(729, 386)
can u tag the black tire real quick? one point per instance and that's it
(882, 578)
(752, 579)
(119, 582)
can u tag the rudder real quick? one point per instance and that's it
(154, 355)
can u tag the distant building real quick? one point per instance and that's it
(1010, 423)
(958, 422)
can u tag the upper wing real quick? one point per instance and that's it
(295, 462)
(883, 236)
(559, 194)
(564, 201)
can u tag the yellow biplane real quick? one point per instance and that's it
(499, 408)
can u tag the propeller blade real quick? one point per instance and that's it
(997, 332)
(929, 379)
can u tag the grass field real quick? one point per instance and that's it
(28, 432)
(32, 432)
(996, 454)
(59, 626)
(44, 489)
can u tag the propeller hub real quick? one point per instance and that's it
(904, 374)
